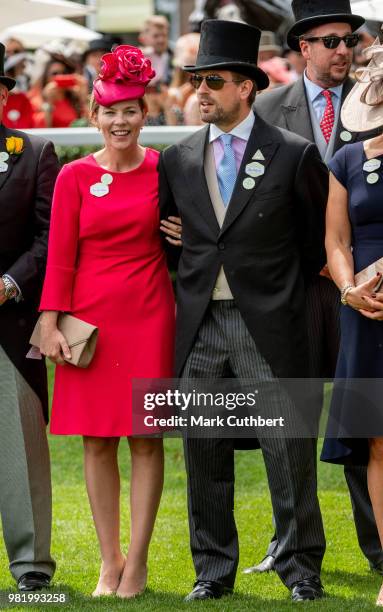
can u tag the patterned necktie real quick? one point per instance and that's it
(227, 169)
(328, 118)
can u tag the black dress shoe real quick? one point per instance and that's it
(207, 589)
(33, 581)
(307, 590)
(266, 565)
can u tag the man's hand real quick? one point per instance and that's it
(2, 292)
(172, 227)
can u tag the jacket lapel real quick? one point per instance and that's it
(339, 142)
(4, 176)
(296, 112)
(193, 155)
(261, 140)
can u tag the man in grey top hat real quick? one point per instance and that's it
(28, 169)
(324, 33)
(251, 198)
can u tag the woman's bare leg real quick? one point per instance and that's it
(146, 485)
(103, 486)
(375, 488)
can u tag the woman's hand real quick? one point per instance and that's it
(373, 308)
(52, 342)
(172, 227)
(361, 298)
(51, 92)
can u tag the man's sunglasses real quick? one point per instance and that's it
(212, 81)
(332, 42)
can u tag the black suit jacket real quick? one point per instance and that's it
(25, 201)
(287, 107)
(270, 242)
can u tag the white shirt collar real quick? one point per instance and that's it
(242, 130)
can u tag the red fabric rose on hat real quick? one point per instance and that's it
(126, 63)
(109, 66)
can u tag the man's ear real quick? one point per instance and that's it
(304, 45)
(3, 94)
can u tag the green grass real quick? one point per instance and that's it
(349, 584)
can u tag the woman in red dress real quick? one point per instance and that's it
(106, 266)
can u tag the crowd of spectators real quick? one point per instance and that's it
(54, 92)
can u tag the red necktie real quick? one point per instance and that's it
(328, 118)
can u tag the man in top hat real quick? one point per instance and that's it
(28, 169)
(251, 198)
(324, 33)
(93, 54)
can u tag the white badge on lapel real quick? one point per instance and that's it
(255, 169)
(258, 155)
(345, 136)
(248, 183)
(3, 158)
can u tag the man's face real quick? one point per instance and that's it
(94, 59)
(223, 106)
(158, 39)
(327, 67)
(3, 99)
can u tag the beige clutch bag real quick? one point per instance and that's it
(369, 272)
(80, 336)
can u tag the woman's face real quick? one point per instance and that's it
(55, 69)
(120, 124)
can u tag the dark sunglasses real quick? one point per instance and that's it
(212, 81)
(332, 42)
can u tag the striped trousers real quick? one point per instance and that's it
(224, 347)
(25, 483)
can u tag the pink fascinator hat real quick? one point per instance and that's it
(124, 74)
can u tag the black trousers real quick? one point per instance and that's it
(224, 345)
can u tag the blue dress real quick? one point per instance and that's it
(355, 404)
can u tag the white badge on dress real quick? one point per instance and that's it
(99, 190)
(3, 156)
(107, 179)
(258, 155)
(372, 178)
(345, 136)
(14, 115)
(371, 165)
(248, 183)
(255, 169)
(3, 166)
(102, 189)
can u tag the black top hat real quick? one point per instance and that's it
(7, 81)
(101, 44)
(230, 45)
(312, 13)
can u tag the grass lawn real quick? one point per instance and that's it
(349, 584)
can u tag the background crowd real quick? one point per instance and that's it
(54, 82)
